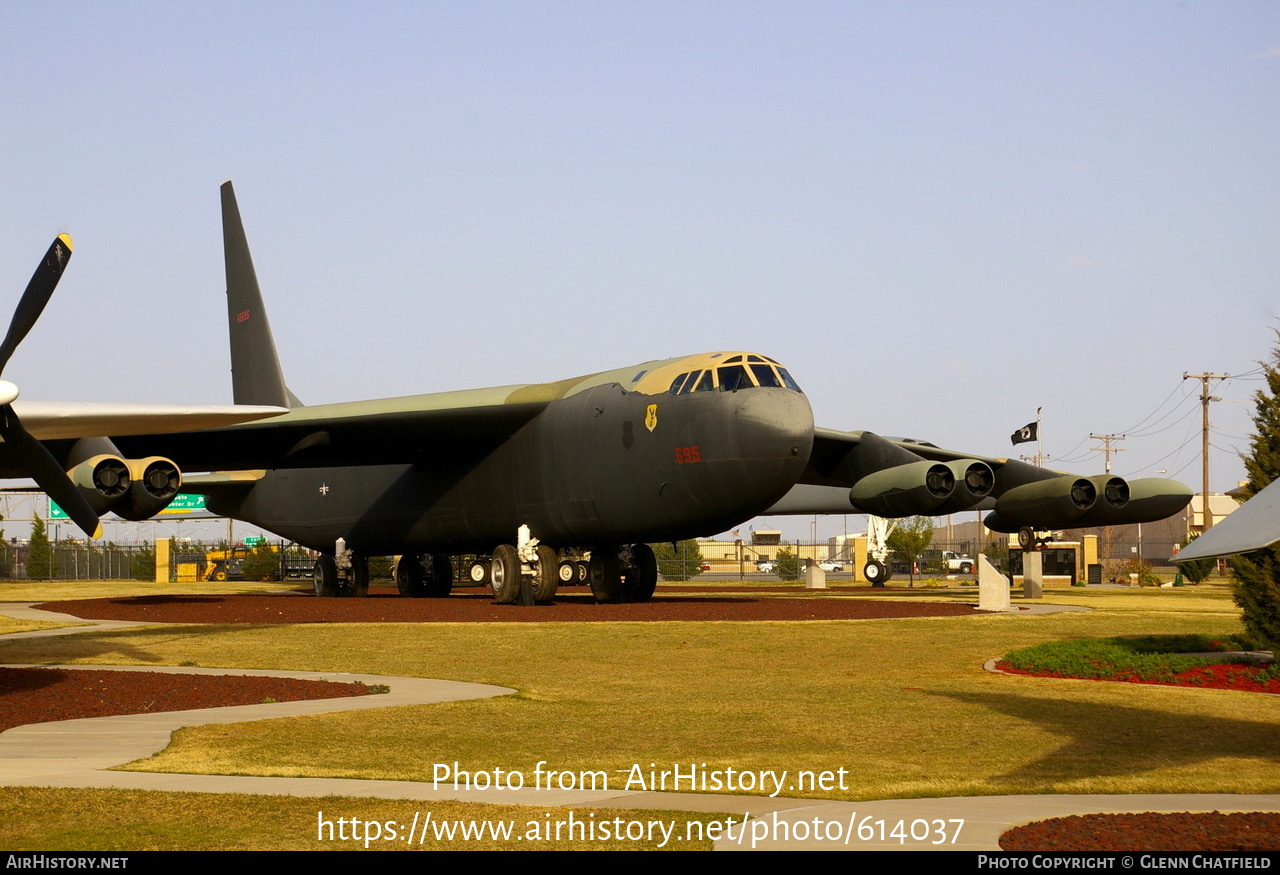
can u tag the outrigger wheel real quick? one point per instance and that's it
(875, 572)
(1027, 538)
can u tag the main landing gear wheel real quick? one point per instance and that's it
(420, 576)
(411, 576)
(358, 584)
(584, 572)
(1027, 538)
(548, 577)
(324, 576)
(641, 579)
(605, 575)
(568, 572)
(875, 572)
(479, 572)
(441, 582)
(504, 575)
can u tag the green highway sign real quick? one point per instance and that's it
(181, 504)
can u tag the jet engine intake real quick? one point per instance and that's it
(133, 489)
(154, 482)
(1050, 504)
(923, 488)
(103, 480)
(1113, 499)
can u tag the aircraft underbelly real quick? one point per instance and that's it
(602, 466)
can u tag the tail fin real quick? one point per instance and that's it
(256, 377)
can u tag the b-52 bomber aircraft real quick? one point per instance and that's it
(536, 476)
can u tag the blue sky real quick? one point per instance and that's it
(940, 216)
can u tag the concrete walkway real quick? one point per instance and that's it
(79, 753)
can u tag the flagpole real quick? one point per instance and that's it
(1039, 441)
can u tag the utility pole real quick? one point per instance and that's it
(1107, 449)
(1205, 398)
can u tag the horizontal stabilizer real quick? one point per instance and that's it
(1252, 526)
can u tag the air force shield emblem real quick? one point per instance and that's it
(651, 417)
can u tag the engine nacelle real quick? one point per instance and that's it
(1062, 502)
(1045, 504)
(923, 488)
(1149, 499)
(103, 480)
(133, 489)
(1112, 503)
(154, 481)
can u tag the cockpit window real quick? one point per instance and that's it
(788, 382)
(733, 378)
(636, 378)
(736, 372)
(765, 376)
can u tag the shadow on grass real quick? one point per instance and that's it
(1104, 740)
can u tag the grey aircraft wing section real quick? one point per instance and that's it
(1252, 526)
(862, 472)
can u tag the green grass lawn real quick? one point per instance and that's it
(126, 820)
(903, 706)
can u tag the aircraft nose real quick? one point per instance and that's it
(778, 425)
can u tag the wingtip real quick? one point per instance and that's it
(66, 241)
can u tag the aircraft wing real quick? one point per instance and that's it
(1252, 526)
(862, 472)
(51, 420)
(445, 426)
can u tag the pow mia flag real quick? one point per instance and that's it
(1025, 434)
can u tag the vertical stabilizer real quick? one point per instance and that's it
(256, 377)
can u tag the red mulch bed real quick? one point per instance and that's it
(387, 606)
(42, 695)
(1214, 676)
(1258, 831)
